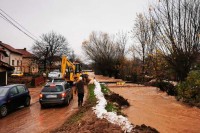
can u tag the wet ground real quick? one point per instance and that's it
(148, 106)
(154, 108)
(33, 119)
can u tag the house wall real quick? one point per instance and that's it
(57, 63)
(16, 58)
(3, 58)
(34, 68)
(16, 61)
(29, 66)
(12, 57)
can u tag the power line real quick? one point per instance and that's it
(18, 23)
(30, 35)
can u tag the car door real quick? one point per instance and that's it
(13, 98)
(68, 90)
(22, 94)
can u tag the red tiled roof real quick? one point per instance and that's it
(25, 53)
(10, 48)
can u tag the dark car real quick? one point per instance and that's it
(13, 96)
(56, 93)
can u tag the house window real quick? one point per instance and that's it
(33, 69)
(13, 62)
(18, 63)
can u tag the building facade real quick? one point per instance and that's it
(29, 64)
(14, 57)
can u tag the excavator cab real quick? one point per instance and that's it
(77, 70)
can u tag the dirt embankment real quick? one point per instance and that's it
(88, 123)
(85, 121)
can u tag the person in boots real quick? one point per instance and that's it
(79, 90)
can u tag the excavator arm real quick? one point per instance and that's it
(69, 70)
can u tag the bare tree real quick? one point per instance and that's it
(144, 32)
(51, 44)
(106, 52)
(178, 33)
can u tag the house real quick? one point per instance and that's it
(57, 61)
(14, 57)
(5, 68)
(29, 65)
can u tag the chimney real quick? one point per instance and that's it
(25, 49)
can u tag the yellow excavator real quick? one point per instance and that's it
(70, 71)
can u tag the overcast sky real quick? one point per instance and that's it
(74, 19)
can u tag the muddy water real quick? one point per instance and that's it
(154, 108)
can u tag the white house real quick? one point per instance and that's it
(14, 56)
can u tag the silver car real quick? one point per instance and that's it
(55, 74)
(56, 93)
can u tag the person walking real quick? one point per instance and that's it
(79, 90)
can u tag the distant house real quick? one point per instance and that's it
(56, 64)
(4, 67)
(29, 64)
(14, 57)
(57, 61)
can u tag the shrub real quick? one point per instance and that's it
(189, 90)
(164, 86)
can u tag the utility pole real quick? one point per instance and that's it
(45, 59)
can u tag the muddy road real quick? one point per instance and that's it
(156, 109)
(33, 119)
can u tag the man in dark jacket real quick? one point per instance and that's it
(80, 90)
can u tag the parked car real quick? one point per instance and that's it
(13, 96)
(56, 93)
(54, 74)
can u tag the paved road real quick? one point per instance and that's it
(33, 119)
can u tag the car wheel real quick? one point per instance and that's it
(27, 102)
(3, 110)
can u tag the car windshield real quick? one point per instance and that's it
(3, 91)
(52, 88)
